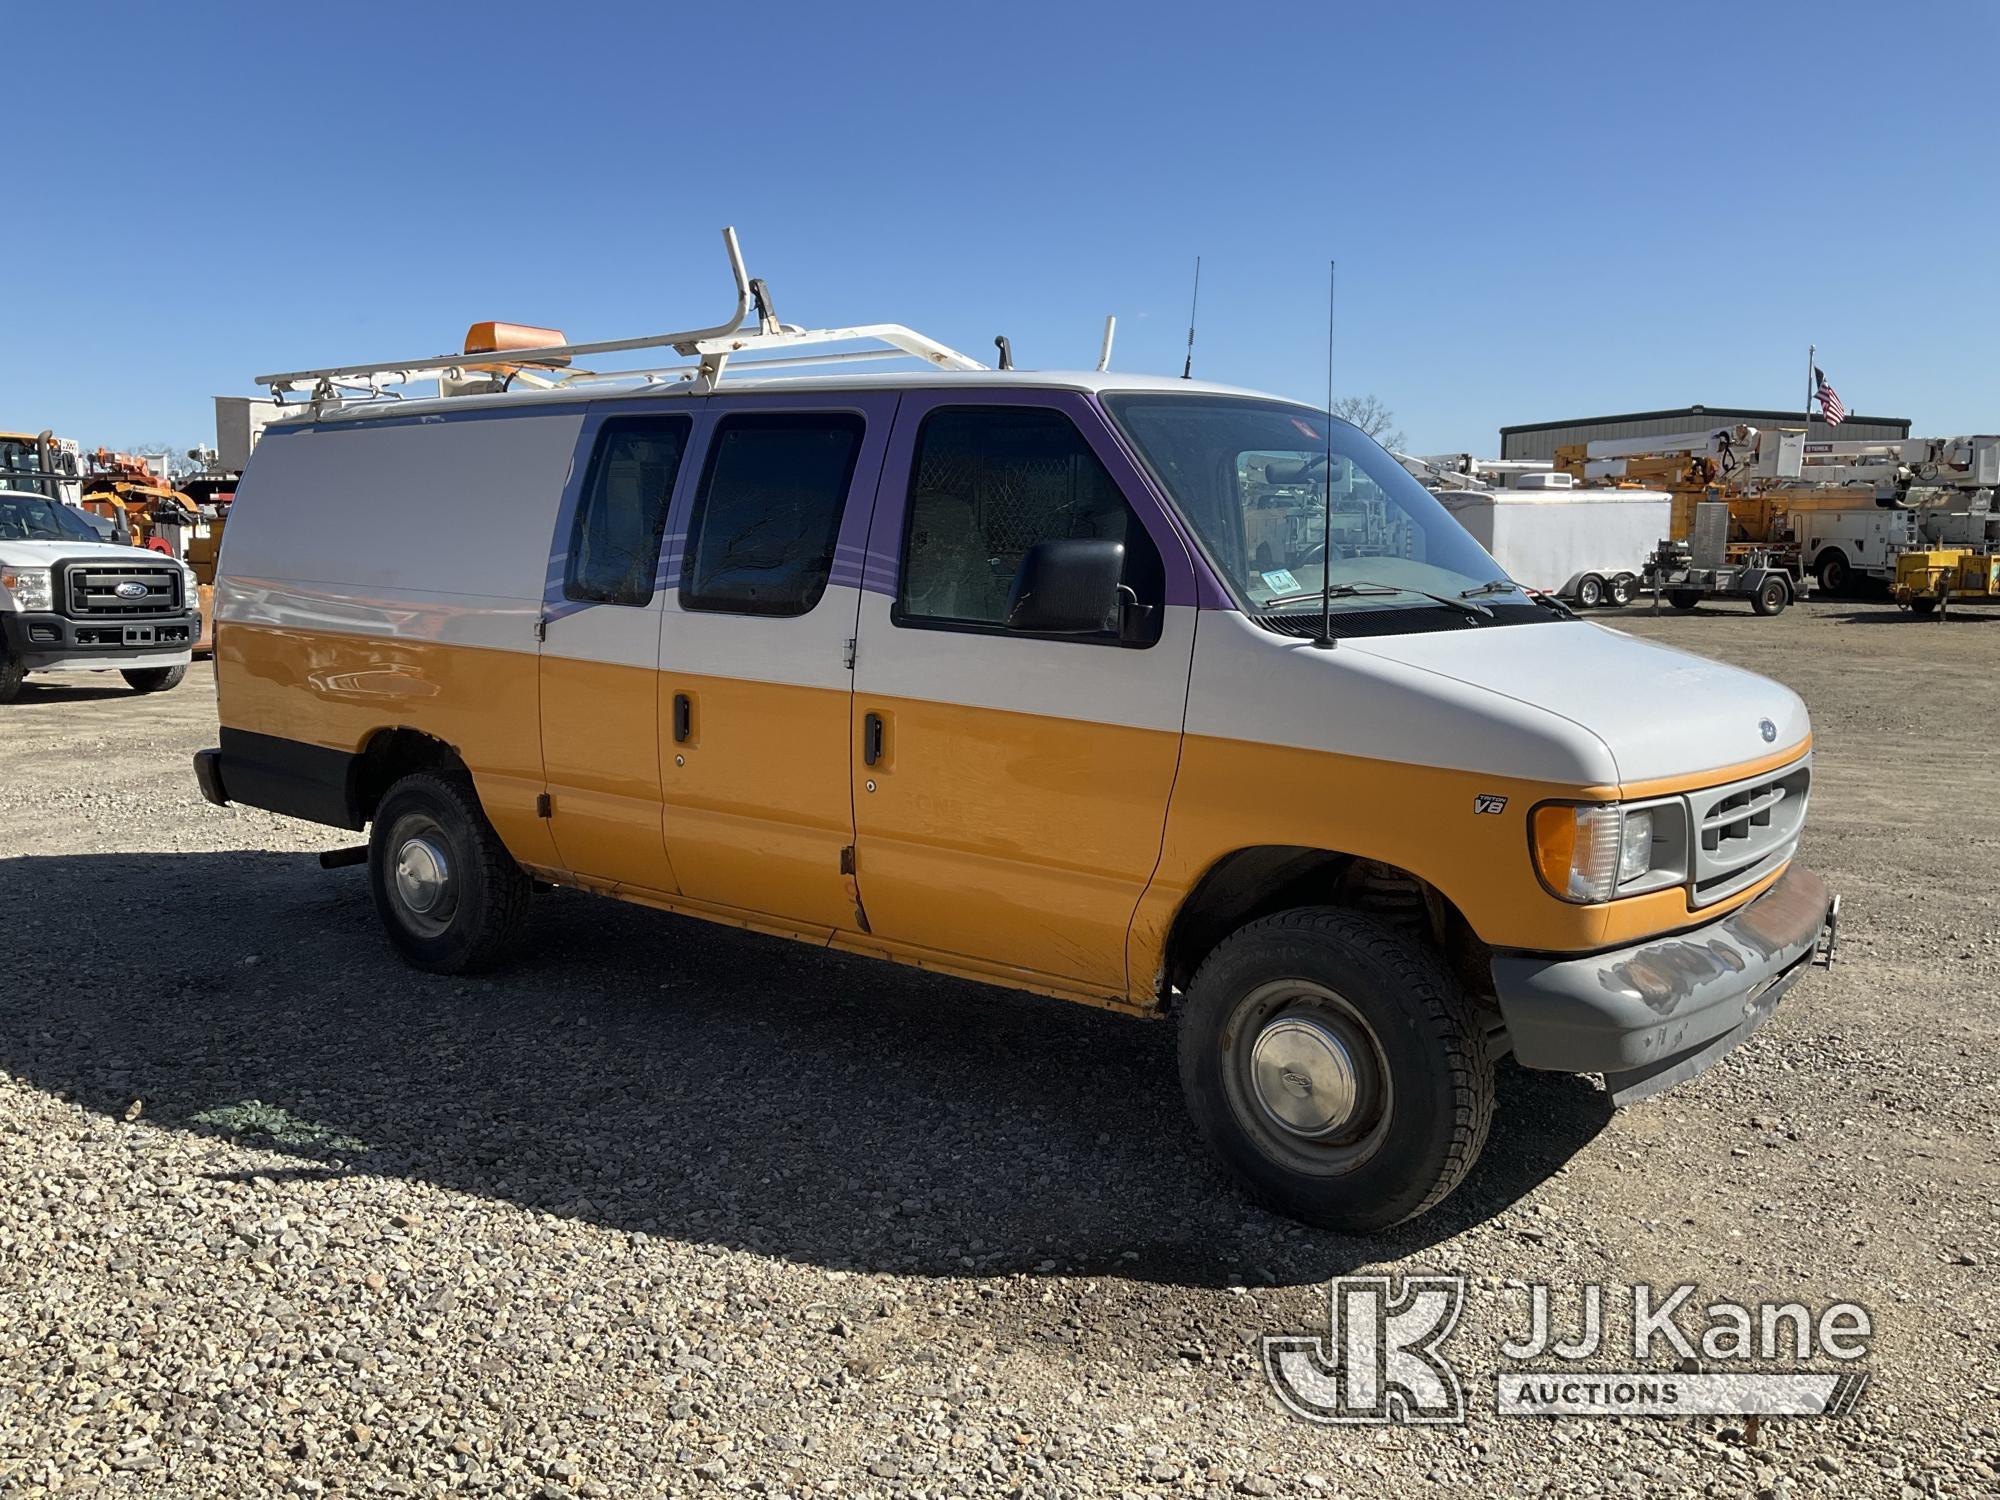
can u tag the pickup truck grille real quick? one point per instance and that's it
(91, 590)
(1745, 830)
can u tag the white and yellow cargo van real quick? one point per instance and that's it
(1153, 694)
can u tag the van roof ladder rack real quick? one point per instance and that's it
(712, 348)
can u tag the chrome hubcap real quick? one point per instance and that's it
(1304, 1076)
(423, 874)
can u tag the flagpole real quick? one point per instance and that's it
(1812, 369)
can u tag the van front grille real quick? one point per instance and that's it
(96, 591)
(1745, 830)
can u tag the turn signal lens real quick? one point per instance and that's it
(1578, 849)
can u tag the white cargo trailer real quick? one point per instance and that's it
(1580, 544)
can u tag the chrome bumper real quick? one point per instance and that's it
(1653, 1014)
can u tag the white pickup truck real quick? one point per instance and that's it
(69, 602)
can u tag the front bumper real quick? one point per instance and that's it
(45, 642)
(1653, 1014)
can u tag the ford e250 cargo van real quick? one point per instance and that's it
(1023, 677)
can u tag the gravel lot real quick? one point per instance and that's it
(676, 1207)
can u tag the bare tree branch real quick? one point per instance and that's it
(1372, 417)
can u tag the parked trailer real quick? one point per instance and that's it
(1584, 545)
(1709, 566)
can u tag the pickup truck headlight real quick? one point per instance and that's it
(30, 588)
(1588, 852)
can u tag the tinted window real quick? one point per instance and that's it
(761, 538)
(615, 548)
(988, 483)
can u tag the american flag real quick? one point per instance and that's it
(1829, 400)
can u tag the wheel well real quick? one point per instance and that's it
(1831, 549)
(392, 754)
(1251, 883)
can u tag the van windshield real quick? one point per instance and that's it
(1253, 477)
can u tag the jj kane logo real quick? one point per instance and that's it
(1382, 1356)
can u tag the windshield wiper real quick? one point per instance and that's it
(1493, 586)
(1368, 587)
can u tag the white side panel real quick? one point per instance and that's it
(443, 507)
(808, 650)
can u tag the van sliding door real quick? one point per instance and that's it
(756, 688)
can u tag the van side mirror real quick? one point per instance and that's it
(1068, 587)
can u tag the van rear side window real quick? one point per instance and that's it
(761, 539)
(987, 484)
(615, 549)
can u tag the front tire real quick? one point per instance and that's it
(1590, 591)
(12, 675)
(1336, 1068)
(154, 679)
(1623, 587)
(1684, 599)
(450, 896)
(1834, 574)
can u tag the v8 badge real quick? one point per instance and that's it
(1486, 802)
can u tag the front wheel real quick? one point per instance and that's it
(1684, 598)
(1833, 573)
(12, 675)
(1336, 1068)
(449, 894)
(1623, 587)
(1772, 595)
(1590, 591)
(154, 679)
(1923, 608)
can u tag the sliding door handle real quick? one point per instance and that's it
(683, 718)
(871, 739)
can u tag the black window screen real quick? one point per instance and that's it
(988, 483)
(762, 535)
(615, 547)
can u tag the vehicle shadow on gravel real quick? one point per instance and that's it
(664, 1076)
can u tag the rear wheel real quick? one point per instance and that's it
(1834, 573)
(1622, 588)
(1336, 1068)
(12, 675)
(1590, 591)
(154, 679)
(1684, 598)
(449, 894)
(1772, 595)
(1923, 608)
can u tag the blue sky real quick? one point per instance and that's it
(1539, 211)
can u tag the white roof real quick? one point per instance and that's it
(742, 383)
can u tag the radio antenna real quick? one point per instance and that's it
(1187, 369)
(1325, 641)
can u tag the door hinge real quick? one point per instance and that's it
(541, 627)
(544, 808)
(850, 653)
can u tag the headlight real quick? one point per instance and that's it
(1592, 851)
(31, 588)
(190, 587)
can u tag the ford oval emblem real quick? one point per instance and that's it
(1769, 730)
(133, 589)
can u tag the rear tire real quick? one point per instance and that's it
(154, 679)
(450, 896)
(1336, 1068)
(12, 675)
(1684, 598)
(1772, 595)
(1923, 609)
(1622, 589)
(1834, 573)
(1590, 591)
